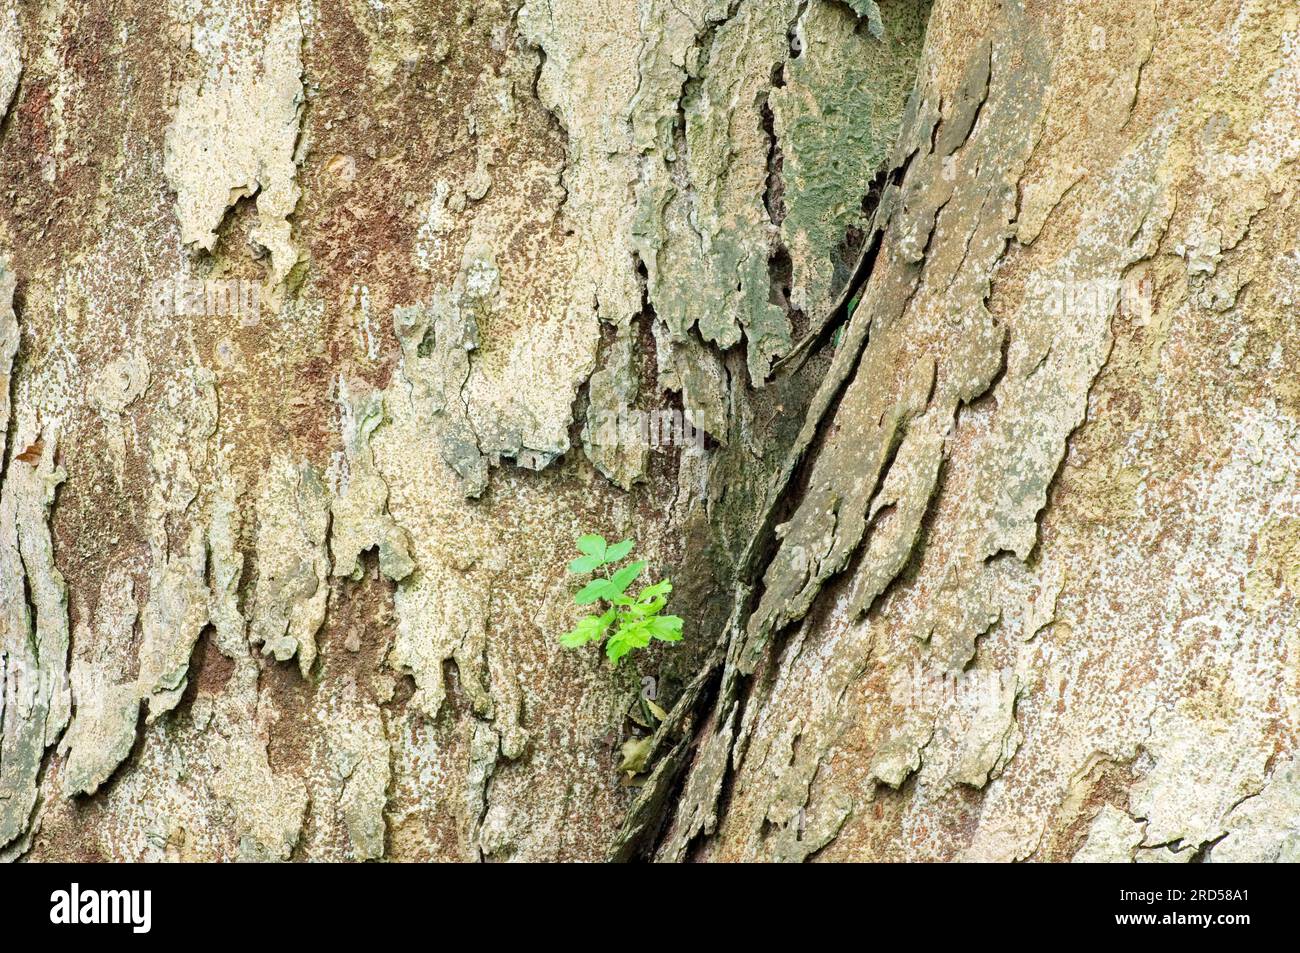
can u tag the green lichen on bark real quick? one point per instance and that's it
(835, 119)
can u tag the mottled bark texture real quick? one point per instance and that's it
(327, 326)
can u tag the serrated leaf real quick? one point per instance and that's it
(618, 551)
(665, 628)
(619, 582)
(584, 564)
(589, 629)
(644, 609)
(616, 648)
(591, 592)
(574, 638)
(637, 635)
(626, 638)
(654, 591)
(656, 710)
(635, 621)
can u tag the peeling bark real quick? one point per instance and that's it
(937, 353)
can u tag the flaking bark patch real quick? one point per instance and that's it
(236, 127)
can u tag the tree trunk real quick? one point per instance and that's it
(937, 355)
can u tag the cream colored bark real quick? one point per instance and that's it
(333, 324)
(1033, 600)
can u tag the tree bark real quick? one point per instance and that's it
(939, 356)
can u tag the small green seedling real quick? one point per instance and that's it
(630, 623)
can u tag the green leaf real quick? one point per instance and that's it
(616, 648)
(618, 551)
(635, 752)
(654, 591)
(635, 621)
(665, 628)
(576, 637)
(589, 629)
(619, 582)
(644, 609)
(625, 639)
(591, 592)
(584, 564)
